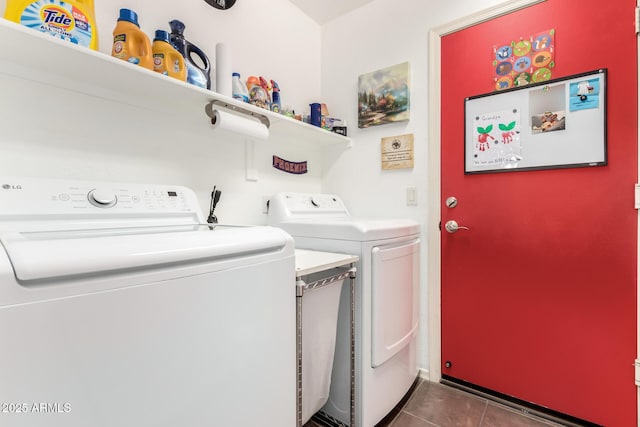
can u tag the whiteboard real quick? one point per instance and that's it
(559, 123)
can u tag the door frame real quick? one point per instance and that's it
(637, 201)
(433, 177)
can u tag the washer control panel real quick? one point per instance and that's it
(29, 196)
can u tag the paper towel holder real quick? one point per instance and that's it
(209, 108)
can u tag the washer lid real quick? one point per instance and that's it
(349, 228)
(46, 255)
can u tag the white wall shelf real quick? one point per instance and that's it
(44, 59)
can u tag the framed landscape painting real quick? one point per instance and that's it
(383, 96)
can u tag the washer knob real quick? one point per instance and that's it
(102, 198)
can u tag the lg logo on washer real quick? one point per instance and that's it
(11, 187)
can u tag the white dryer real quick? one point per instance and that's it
(386, 303)
(120, 307)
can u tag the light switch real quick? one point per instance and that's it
(412, 196)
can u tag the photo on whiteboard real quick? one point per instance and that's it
(549, 121)
(584, 95)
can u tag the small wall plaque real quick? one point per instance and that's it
(397, 152)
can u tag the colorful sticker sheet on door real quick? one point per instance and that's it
(523, 61)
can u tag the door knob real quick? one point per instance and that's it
(452, 226)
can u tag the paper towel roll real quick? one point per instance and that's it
(223, 70)
(249, 128)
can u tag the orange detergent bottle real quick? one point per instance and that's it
(130, 43)
(71, 20)
(166, 59)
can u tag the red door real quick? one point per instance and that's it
(539, 295)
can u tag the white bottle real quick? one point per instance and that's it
(239, 89)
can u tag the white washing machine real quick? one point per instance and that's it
(386, 303)
(118, 307)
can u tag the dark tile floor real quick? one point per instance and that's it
(436, 405)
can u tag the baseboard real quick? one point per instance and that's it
(424, 374)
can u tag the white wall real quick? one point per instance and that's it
(375, 36)
(117, 142)
(53, 133)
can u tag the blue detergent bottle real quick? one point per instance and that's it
(276, 104)
(197, 75)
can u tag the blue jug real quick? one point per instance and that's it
(196, 74)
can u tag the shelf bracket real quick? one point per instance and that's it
(219, 103)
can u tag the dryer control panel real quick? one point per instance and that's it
(285, 206)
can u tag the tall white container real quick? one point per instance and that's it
(223, 70)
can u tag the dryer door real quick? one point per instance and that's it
(394, 294)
